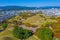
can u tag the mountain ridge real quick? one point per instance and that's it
(5, 8)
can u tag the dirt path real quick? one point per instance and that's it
(30, 28)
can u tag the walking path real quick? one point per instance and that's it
(30, 28)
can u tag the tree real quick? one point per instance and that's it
(21, 33)
(27, 34)
(45, 34)
(4, 25)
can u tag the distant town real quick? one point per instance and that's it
(9, 13)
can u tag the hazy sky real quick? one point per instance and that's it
(33, 3)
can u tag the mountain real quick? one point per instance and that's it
(7, 8)
(49, 7)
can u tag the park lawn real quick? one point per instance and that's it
(33, 38)
(34, 20)
(7, 33)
